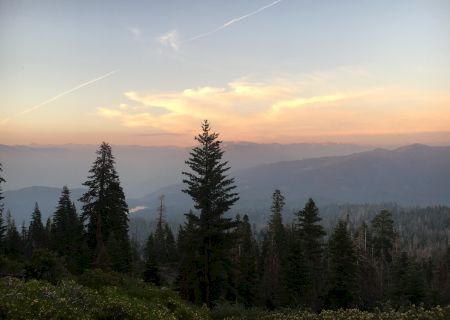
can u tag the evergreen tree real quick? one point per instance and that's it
(383, 245)
(2, 220)
(366, 277)
(66, 232)
(311, 235)
(151, 272)
(37, 236)
(342, 276)
(407, 282)
(106, 214)
(213, 194)
(160, 234)
(275, 250)
(246, 260)
(189, 272)
(13, 244)
(171, 246)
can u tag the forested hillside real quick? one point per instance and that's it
(110, 262)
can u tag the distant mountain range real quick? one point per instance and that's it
(142, 169)
(414, 175)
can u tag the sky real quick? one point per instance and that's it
(286, 71)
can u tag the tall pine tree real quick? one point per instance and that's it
(37, 236)
(106, 214)
(342, 275)
(213, 195)
(311, 238)
(66, 232)
(274, 254)
(2, 220)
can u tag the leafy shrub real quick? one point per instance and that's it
(96, 279)
(69, 300)
(414, 313)
(45, 265)
(10, 267)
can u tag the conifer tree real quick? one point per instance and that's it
(189, 272)
(383, 245)
(275, 254)
(171, 246)
(311, 238)
(342, 276)
(37, 236)
(67, 232)
(160, 234)
(246, 256)
(106, 214)
(151, 272)
(213, 194)
(13, 244)
(2, 220)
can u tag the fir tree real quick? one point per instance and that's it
(151, 272)
(383, 245)
(275, 250)
(342, 276)
(311, 235)
(37, 236)
(106, 214)
(13, 244)
(160, 234)
(171, 246)
(67, 232)
(213, 195)
(2, 220)
(246, 256)
(189, 272)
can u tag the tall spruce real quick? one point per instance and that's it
(106, 214)
(189, 272)
(66, 232)
(151, 271)
(311, 239)
(274, 254)
(213, 194)
(37, 235)
(342, 275)
(159, 237)
(246, 252)
(2, 220)
(13, 244)
(383, 249)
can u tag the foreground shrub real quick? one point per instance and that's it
(45, 265)
(437, 313)
(96, 278)
(69, 300)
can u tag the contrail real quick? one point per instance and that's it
(62, 94)
(232, 21)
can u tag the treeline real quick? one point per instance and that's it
(215, 259)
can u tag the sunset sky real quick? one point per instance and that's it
(148, 72)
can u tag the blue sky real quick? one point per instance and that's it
(370, 59)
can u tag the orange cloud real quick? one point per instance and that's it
(286, 109)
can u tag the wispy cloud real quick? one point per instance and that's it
(172, 40)
(59, 96)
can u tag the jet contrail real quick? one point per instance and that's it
(232, 21)
(62, 94)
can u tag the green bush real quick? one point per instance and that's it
(45, 265)
(69, 300)
(414, 313)
(96, 279)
